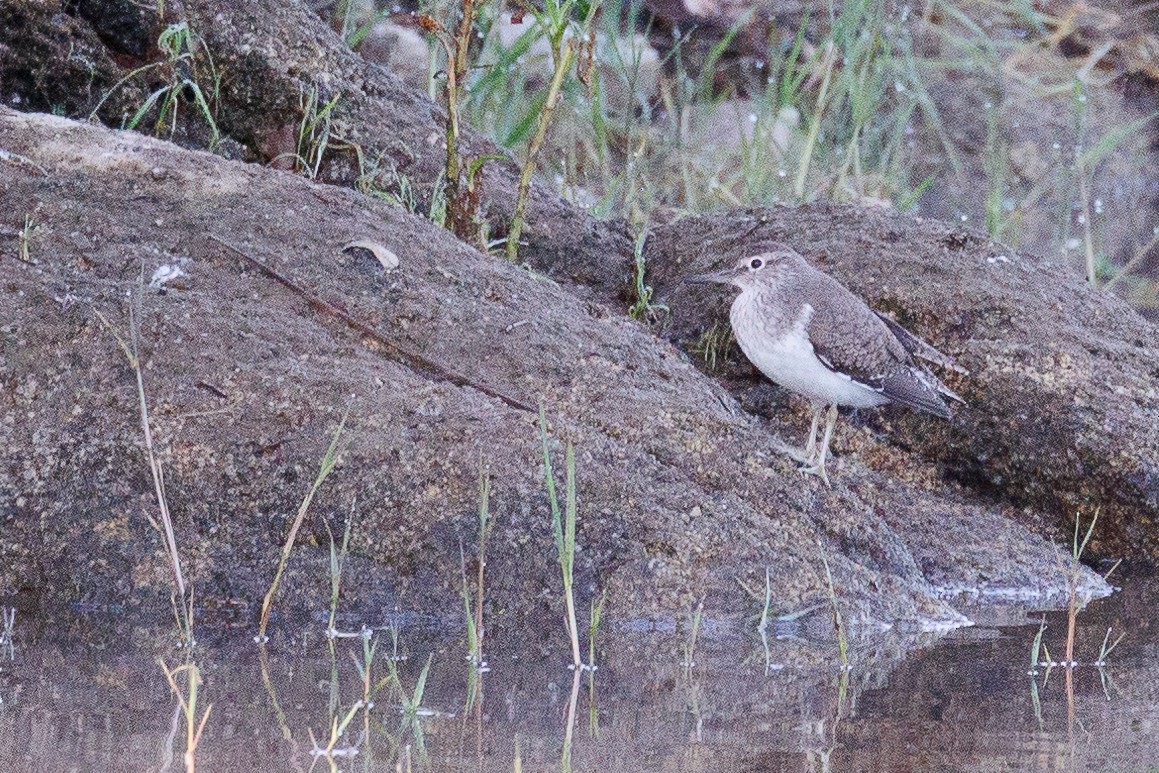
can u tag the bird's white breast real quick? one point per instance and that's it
(781, 350)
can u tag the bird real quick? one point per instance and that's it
(804, 330)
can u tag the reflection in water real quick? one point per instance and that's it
(87, 694)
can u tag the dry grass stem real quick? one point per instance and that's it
(327, 466)
(131, 352)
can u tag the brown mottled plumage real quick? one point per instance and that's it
(806, 332)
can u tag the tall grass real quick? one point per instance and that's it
(850, 109)
(563, 528)
(568, 43)
(182, 596)
(630, 163)
(329, 460)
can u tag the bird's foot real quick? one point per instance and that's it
(800, 455)
(816, 468)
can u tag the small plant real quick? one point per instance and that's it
(25, 239)
(643, 306)
(179, 45)
(461, 184)
(713, 345)
(314, 131)
(182, 600)
(402, 197)
(1040, 657)
(1074, 606)
(563, 527)
(555, 20)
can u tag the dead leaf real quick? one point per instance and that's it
(387, 258)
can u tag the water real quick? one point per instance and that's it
(86, 693)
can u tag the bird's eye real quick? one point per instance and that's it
(756, 263)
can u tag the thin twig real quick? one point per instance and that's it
(411, 359)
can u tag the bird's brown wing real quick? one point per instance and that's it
(851, 338)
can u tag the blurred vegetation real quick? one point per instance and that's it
(997, 115)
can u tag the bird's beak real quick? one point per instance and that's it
(717, 277)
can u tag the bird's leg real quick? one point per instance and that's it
(818, 465)
(811, 443)
(808, 454)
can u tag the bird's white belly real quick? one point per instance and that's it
(791, 362)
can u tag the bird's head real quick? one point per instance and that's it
(753, 270)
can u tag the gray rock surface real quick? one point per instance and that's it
(681, 493)
(1062, 398)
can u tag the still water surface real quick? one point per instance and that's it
(86, 693)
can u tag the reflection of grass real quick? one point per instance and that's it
(689, 647)
(411, 704)
(569, 730)
(473, 610)
(763, 621)
(187, 696)
(595, 614)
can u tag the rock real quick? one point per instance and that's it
(402, 50)
(732, 124)
(1062, 402)
(274, 335)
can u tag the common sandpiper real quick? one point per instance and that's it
(805, 331)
